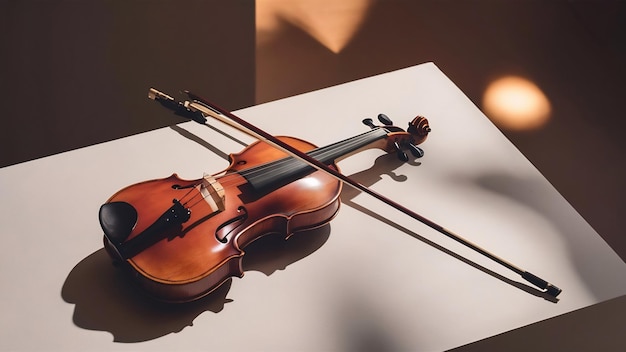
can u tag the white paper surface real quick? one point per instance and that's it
(372, 279)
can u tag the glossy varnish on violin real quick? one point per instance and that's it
(184, 256)
(205, 250)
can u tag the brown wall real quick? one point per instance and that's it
(75, 73)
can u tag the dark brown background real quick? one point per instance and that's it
(76, 73)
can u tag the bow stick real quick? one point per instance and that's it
(198, 108)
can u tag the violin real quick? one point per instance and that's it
(182, 239)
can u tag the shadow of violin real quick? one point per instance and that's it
(383, 165)
(106, 299)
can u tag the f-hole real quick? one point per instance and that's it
(225, 229)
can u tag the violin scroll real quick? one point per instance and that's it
(399, 140)
(419, 127)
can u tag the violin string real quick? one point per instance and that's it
(272, 169)
(278, 167)
(286, 164)
(184, 201)
(188, 192)
(289, 164)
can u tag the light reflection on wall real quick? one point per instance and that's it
(332, 23)
(516, 103)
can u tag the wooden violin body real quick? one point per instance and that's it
(200, 254)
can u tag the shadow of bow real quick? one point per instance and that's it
(384, 165)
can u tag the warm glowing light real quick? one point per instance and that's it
(333, 23)
(516, 103)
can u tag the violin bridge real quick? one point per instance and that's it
(213, 193)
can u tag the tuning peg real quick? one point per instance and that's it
(384, 120)
(401, 154)
(369, 122)
(416, 151)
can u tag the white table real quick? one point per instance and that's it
(373, 277)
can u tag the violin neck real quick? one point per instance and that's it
(342, 149)
(278, 173)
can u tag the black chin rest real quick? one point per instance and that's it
(117, 220)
